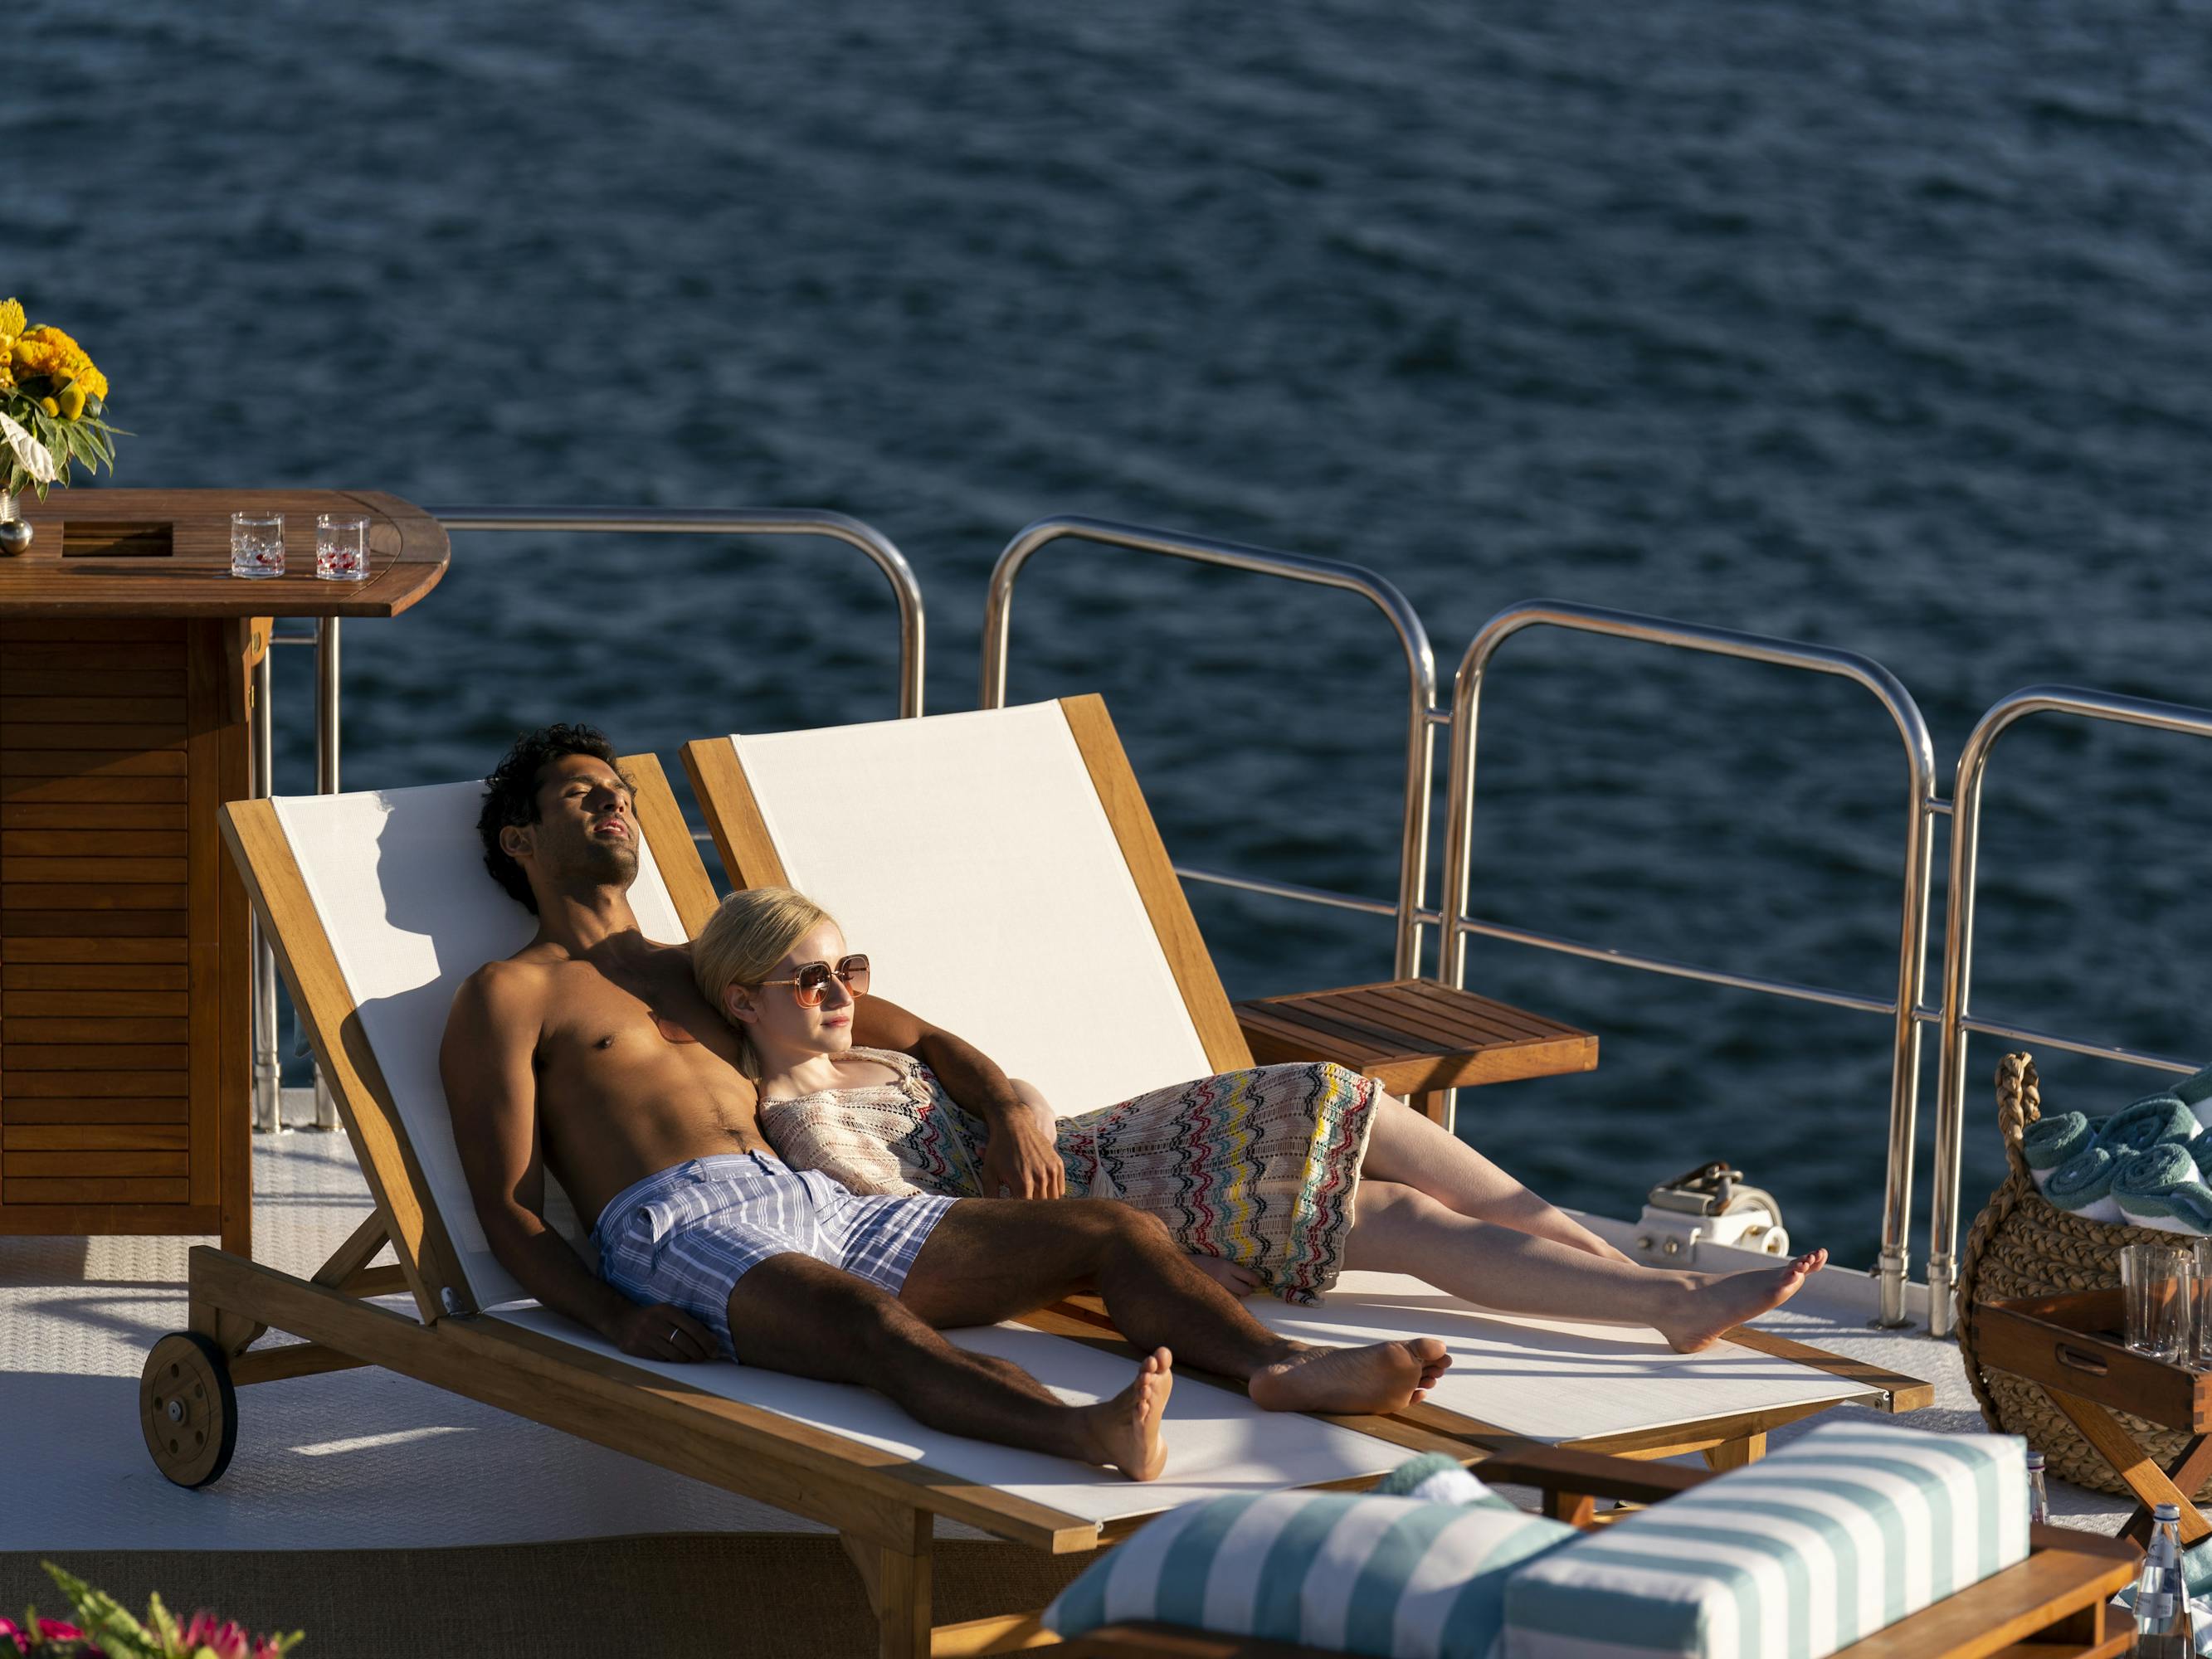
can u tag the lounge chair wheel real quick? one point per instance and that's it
(188, 1408)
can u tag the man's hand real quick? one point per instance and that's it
(662, 1332)
(1020, 1161)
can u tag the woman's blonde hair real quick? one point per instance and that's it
(743, 940)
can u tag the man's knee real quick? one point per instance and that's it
(1111, 1224)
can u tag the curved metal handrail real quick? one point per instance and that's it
(837, 526)
(1958, 946)
(1420, 671)
(1913, 932)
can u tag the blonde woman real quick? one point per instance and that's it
(1276, 1178)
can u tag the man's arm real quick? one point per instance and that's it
(1019, 1157)
(491, 1089)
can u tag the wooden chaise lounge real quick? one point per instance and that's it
(378, 905)
(1004, 872)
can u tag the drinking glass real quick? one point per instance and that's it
(2200, 1322)
(257, 544)
(2158, 1282)
(341, 549)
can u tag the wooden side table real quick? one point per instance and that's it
(1415, 1037)
(126, 665)
(2069, 1345)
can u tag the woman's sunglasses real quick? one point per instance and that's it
(809, 983)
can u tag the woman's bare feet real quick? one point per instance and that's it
(1126, 1430)
(1730, 1299)
(1383, 1376)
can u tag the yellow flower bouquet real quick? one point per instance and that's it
(54, 409)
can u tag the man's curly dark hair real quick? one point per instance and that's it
(511, 794)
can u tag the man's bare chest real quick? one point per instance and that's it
(594, 1023)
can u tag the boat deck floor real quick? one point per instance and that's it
(366, 1461)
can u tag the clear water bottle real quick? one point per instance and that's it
(2039, 1500)
(2161, 1609)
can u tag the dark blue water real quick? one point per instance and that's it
(1881, 326)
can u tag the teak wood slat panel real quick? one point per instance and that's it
(22, 737)
(121, 1109)
(94, 1137)
(95, 1189)
(92, 788)
(93, 977)
(72, 1057)
(124, 928)
(23, 895)
(1413, 1036)
(83, 705)
(90, 844)
(71, 656)
(103, 686)
(78, 1162)
(134, 872)
(67, 950)
(91, 630)
(21, 1085)
(43, 1031)
(94, 1005)
(120, 738)
(75, 817)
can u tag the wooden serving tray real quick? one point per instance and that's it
(2072, 1341)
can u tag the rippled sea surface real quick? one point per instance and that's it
(1879, 326)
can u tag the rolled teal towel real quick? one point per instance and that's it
(2083, 1185)
(1438, 1478)
(2052, 1142)
(2151, 1122)
(2197, 1091)
(2201, 1150)
(2158, 1187)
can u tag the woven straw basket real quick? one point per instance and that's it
(2023, 1244)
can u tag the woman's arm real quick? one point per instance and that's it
(1019, 1159)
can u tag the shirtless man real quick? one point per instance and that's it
(590, 1052)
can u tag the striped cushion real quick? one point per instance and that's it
(1351, 1573)
(1829, 1540)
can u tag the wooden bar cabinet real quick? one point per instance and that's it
(127, 657)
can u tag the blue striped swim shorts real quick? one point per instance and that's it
(687, 1235)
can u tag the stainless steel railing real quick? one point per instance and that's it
(1921, 804)
(1410, 913)
(1959, 951)
(1422, 716)
(837, 526)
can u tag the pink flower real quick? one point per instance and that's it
(227, 1640)
(50, 1630)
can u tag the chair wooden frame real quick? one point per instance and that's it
(883, 1506)
(750, 859)
(2054, 1605)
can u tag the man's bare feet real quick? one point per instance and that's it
(1732, 1298)
(1383, 1376)
(1126, 1430)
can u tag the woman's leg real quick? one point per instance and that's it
(1406, 1147)
(1396, 1229)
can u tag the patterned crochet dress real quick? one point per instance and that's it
(1257, 1167)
